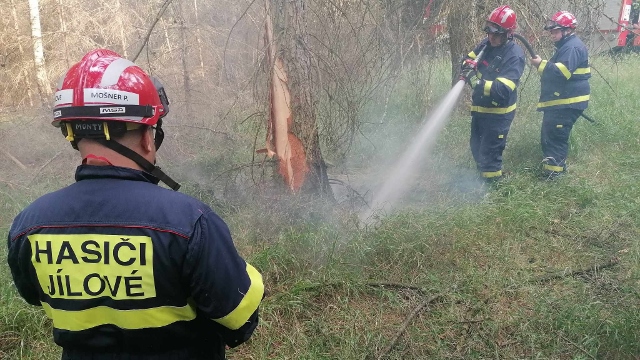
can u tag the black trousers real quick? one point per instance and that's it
(554, 137)
(488, 140)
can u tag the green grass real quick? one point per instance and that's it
(512, 271)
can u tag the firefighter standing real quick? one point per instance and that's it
(493, 79)
(126, 269)
(564, 91)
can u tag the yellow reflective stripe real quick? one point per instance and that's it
(510, 84)
(582, 71)
(487, 110)
(563, 69)
(239, 316)
(472, 55)
(572, 100)
(542, 65)
(553, 168)
(78, 320)
(491, 174)
(487, 87)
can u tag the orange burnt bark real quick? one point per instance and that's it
(281, 142)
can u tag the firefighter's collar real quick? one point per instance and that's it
(564, 40)
(86, 172)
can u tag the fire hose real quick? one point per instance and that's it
(533, 55)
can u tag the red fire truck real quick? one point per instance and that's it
(616, 27)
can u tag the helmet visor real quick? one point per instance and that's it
(491, 28)
(552, 25)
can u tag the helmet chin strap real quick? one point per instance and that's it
(103, 133)
(142, 162)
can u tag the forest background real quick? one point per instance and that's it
(526, 269)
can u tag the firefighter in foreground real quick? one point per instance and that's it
(493, 80)
(126, 269)
(564, 91)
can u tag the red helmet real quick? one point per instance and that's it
(103, 96)
(561, 20)
(107, 87)
(501, 20)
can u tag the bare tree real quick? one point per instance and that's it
(38, 52)
(184, 54)
(23, 72)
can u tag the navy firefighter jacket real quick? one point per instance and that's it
(123, 267)
(499, 69)
(564, 81)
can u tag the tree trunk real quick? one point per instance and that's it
(123, 38)
(63, 30)
(38, 52)
(186, 81)
(463, 34)
(198, 38)
(26, 73)
(299, 67)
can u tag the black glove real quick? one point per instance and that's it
(472, 79)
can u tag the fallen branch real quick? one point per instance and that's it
(397, 286)
(42, 167)
(406, 323)
(603, 78)
(350, 189)
(12, 185)
(21, 165)
(576, 346)
(614, 261)
(472, 321)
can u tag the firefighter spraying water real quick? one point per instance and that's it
(492, 70)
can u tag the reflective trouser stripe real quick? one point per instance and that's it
(487, 110)
(566, 101)
(553, 168)
(491, 174)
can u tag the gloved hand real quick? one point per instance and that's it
(472, 79)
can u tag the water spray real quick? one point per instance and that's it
(409, 162)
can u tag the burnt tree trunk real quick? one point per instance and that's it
(298, 62)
